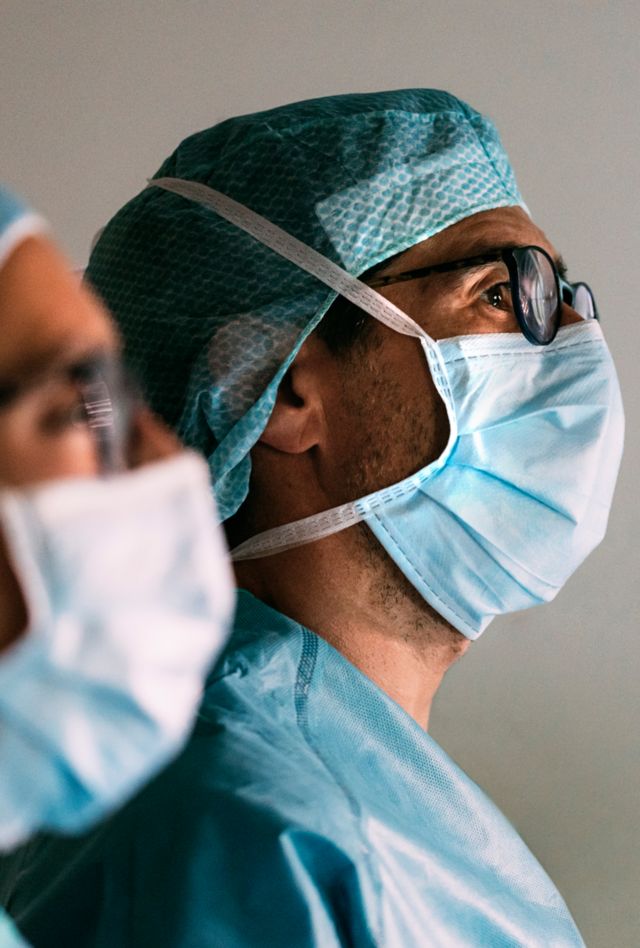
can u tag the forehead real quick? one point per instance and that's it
(45, 314)
(501, 227)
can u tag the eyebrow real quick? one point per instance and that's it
(480, 249)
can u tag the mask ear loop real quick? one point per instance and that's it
(271, 235)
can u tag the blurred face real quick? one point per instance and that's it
(52, 331)
(49, 325)
(57, 344)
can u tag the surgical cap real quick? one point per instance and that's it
(211, 317)
(17, 222)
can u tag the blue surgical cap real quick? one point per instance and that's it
(211, 317)
(17, 222)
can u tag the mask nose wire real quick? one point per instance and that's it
(357, 292)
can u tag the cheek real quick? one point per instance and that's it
(397, 422)
(415, 429)
(28, 456)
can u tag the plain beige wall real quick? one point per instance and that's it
(544, 711)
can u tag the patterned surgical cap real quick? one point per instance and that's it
(211, 317)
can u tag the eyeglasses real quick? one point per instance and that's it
(108, 397)
(537, 290)
(104, 402)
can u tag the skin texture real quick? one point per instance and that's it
(344, 426)
(49, 321)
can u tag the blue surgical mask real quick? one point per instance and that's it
(525, 490)
(522, 492)
(129, 596)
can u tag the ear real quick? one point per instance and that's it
(296, 424)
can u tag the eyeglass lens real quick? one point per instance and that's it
(538, 293)
(108, 401)
(583, 301)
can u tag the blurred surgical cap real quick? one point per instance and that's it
(211, 317)
(17, 222)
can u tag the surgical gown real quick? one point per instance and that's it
(307, 809)
(9, 937)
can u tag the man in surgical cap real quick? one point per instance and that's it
(101, 513)
(396, 466)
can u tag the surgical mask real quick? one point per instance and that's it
(522, 492)
(129, 595)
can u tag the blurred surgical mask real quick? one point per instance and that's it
(129, 595)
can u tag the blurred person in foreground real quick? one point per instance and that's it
(413, 425)
(115, 591)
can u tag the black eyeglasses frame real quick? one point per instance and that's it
(565, 292)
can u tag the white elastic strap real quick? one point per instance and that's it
(290, 535)
(296, 251)
(331, 521)
(317, 526)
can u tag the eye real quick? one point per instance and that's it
(63, 415)
(498, 296)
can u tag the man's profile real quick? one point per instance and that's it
(393, 476)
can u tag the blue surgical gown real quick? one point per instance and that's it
(307, 809)
(9, 937)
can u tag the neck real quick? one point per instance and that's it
(347, 590)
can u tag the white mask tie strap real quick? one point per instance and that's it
(297, 252)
